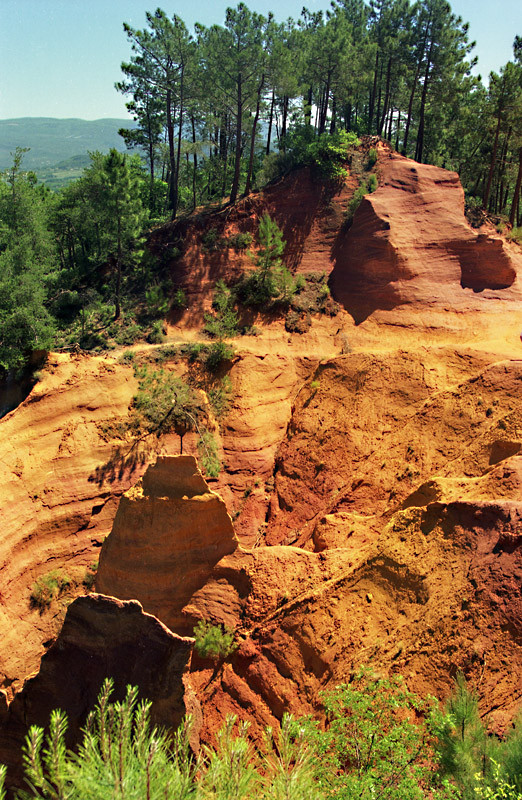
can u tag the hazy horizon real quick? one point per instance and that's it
(61, 59)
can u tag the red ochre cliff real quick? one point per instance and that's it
(373, 471)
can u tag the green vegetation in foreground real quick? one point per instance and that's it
(379, 741)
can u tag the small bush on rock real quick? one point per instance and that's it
(213, 641)
(48, 587)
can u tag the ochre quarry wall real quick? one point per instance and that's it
(102, 638)
(410, 244)
(428, 591)
(169, 533)
(372, 466)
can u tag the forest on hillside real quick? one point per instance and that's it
(222, 110)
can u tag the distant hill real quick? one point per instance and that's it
(57, 140)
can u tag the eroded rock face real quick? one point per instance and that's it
(102, 637)
(372, 429)
(169, 533)
(410, 243)
(59, 487)
(425, 590)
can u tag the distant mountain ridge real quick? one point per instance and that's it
(54, 140)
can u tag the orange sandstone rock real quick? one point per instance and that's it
(410, 243)
(167, 536)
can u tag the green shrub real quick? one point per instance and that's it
(271, 283)
(371, 748)
(326, 154)
(90, 576)
(122, 755)
(355, 202)
(219, 396)
(515, 235)
(240, 241)
(373, 183)
(164, 404)
(179, 298)
(212, 241)
(213, 641)
(128, 333)
(372, 157)
(217, 354)
(367, 187)
(48, 587)
(224, 322)
(157, 334)
(193, 350)
(156, 301)
(208, 454)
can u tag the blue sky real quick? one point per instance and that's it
(61, 58)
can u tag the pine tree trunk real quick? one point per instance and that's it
(516, 196)
(487, 190)
(172, 160)
(269, 134)
(386, 98)
(378, 112)
(195, 170)
(308, 107)
(413, 89)
(286, 100)
(178, 157)
(239, 131)
(420, 134)
(334, 115)
(253, 139)
(373, 92)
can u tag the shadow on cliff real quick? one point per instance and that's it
(355, 282)
(207, 253)
(122, 463)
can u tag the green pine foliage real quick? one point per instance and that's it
(164, 404)
(481, 765)
(208, 454)
(223, 322)
(368, 186)
(378, 741)
(271, 282)
(122, 755)
(26, 265)
(463, 745)
(213, 641)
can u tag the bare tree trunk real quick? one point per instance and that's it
(239, 131)
(420, 133)
(516, 196)
(269, 135)
(178, 158)
(172, 158)
(373, 92)
(487, 190)
(195, 155)
(386, 98)
(253, 138)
